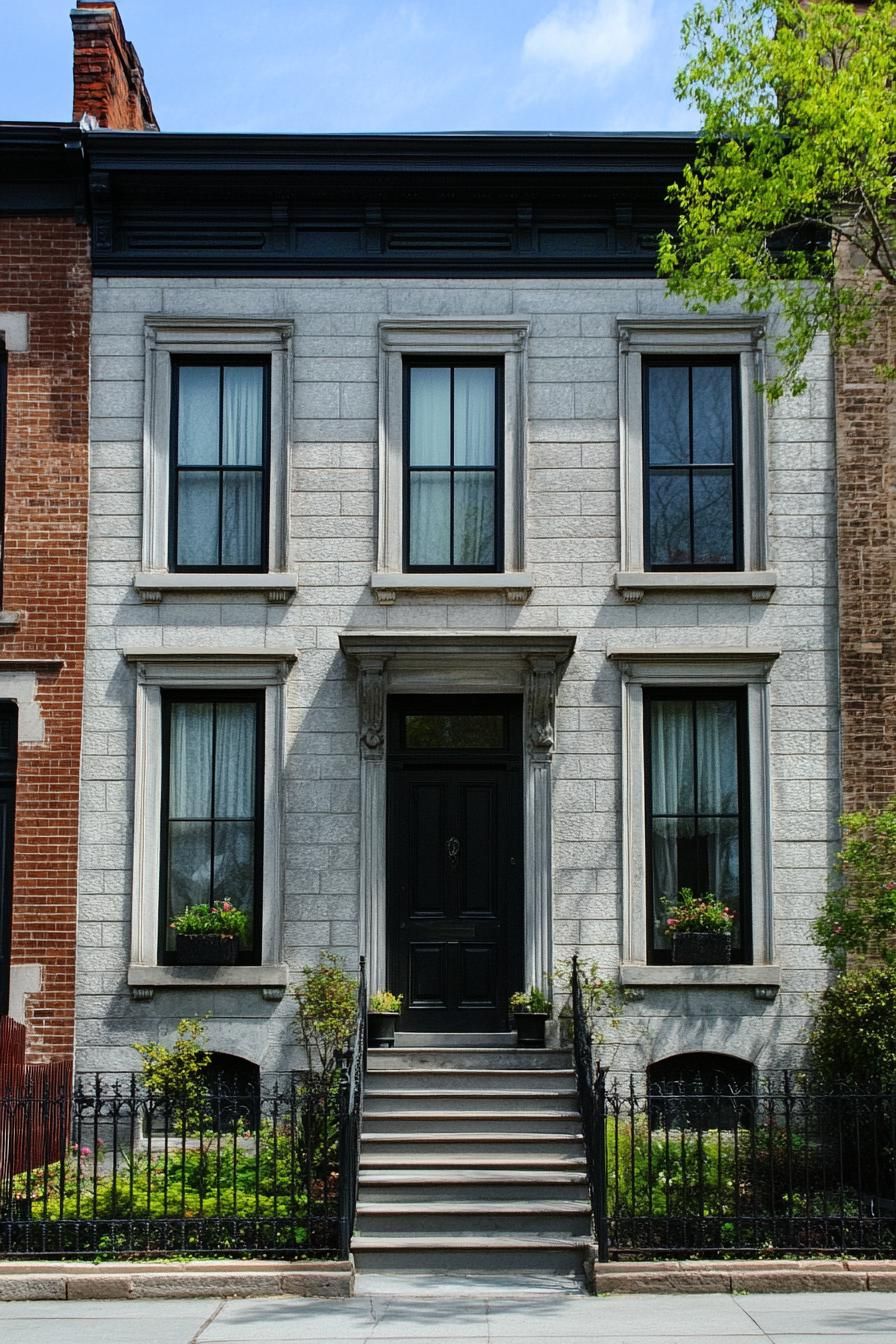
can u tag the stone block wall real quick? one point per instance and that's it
(573, 550)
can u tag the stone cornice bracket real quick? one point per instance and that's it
(541, 704)
(372, 706)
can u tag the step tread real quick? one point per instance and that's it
(427, 1137)
(499, 1240)
(411, 1114)
(470, 1208)
(572, 1165)
(482, 1176)
(485, 1073)
(497, 1095)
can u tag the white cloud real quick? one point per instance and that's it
(596, 39)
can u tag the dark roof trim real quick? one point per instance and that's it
(42, 169)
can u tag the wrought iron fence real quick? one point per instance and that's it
(784, 1167)
(111, 1169)
(591, 1087)
(353, 1069)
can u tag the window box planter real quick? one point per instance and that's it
(381, 1030)
(530, 1029)
(205, 949)
(701, 949)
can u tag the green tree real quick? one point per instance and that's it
(859, 915)
(789, 204)
(326, 1009)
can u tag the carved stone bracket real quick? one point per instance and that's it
(142, 993)
(272, 993)
(632, 594)
(541, 695)
(765, 993)
(385, 596)
(372, 705)
(761, 594)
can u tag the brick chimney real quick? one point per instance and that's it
(108, 75)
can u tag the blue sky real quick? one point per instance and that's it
(370, 65)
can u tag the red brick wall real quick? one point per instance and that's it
(866, 530)
(45, 272)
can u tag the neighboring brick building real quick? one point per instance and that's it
(866, 540)
(45, 303)
(44, 335)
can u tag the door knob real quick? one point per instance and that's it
(453, 848)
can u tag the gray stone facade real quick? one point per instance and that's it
(775, 631)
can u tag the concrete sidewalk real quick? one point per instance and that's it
(486, 1316)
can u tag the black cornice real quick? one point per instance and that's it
(42, 169)
(356, 205)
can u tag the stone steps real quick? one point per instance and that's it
(472, 1160)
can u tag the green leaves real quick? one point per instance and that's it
(859, 916)
(789, 204)
(326, 1008)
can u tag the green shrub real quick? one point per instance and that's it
(326, 1009)
(859, 915)
(853, 1041)
(178, 1072)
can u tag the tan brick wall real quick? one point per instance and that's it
(45, 273)
(866, 532)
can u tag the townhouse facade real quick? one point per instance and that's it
(454, 596)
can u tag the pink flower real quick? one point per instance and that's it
(85, 1152)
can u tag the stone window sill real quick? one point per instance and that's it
(152, 587)
(10, 620)
(271, 979)
(387, 587)
(766, 979)
(634, 585)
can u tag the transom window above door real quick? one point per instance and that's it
(219, 464)
(453, 485)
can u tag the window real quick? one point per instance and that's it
(452, 476)
(219, 464)
(2, 454)
(216, 458)
(696, 805)
(691, 464)
(453, 468)
(692, 456)
(697, 813)
(211, 845)
(208, 770)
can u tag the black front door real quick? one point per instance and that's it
(455, 859)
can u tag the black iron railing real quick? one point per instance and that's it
(116, 1170)
(351, 1100)
(591, 1086)
(785, 1167)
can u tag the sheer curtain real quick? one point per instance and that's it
(211, 804)
(242, 446)
(474, 446)
(429, 536)
(430, 446)
(197, 446)
(672, 778)
(694, 803)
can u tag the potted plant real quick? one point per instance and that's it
(209, 935)
(530, 1013)
(700, 929)
(382, 1018)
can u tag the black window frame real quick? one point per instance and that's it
(221, 362)
(735, 467)
(453, 362)
(212, 695)
(742, 955)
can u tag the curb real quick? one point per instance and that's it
(60, 1281)
(744, 1276)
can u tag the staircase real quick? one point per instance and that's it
(471, 1160)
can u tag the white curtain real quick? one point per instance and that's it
(211, 803)
(198, 407)
(694, 802)
(430, 541)
(242, 446)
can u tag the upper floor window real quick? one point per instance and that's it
(216, 457)
(219, 464)
(453, 486)
(692, 464)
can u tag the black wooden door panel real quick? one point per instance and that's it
(454, 867)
